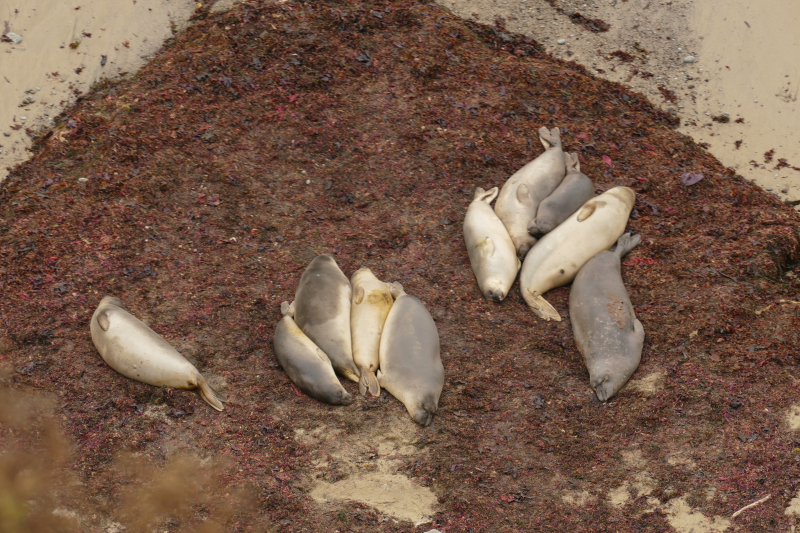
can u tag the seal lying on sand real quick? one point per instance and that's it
(137, 352)
(411, 365)
(491, 251)
(606, 330)
(307, 366)
(321, 308)
(520, 196)
(575, 190)
(372, 300)
(558, 256)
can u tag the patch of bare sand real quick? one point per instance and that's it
(364, 467)
(793, 417)
(743, 51)
(648, 385)
(685, 520)
(577, 498)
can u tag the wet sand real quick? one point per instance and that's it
(61, 56)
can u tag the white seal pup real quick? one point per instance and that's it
(575, 190)
(372, 300)
(520, 196)
(607, 333)
(321, 308)
(307, 366)
(491, 251)
(411, 365)
(558, 256)
(137, 352)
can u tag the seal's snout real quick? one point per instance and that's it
(496, 295)
(603, 387)
(422, 417)
(346, 398)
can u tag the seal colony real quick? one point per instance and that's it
(554, 201)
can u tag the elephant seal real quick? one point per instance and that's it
(575, 190)
(307, 366)
(411, 365)
(372, 300)
(607, 333)
(520, 196)
(491, 251)
(558, 256)
(321, 308)
(137, 352)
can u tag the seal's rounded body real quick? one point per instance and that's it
(322, 311)
(575, 190)
(558, 256)
(371, 302)
(491, 251)
(137, 352)
(411, 365)
(307, 366)
(607, 333)
(520, 196)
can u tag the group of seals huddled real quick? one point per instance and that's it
(359, 328)
(549, 199)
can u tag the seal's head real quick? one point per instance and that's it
(112, 300)
(493, 291)
(604, 386)
(344, 398)
(423, 414)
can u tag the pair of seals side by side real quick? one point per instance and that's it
(518, 202)
(607, 333)
(574, 190)
(558, 256)
(137, 352)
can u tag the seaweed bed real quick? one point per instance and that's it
(261, 137)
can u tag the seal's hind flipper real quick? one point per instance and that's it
(626, 243)
(543, 309)
(485, 196)
(287, 309)
(208, 394)
(368, 382)
(396, 289)
(103, 321)
(573, 163)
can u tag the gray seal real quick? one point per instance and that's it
(606, 330)
(137, 352)
(322, 311)
(411, 365)
(306, 365)
(575, 190)
(518, 201)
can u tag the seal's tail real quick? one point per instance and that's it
(212, 397)
(368, 381)
(543, 309)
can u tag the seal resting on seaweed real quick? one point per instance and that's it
(307, 366)
(520, 196)
(491, 251)
(606, 330)
(372, 300)
(411, 365)
(558, 256)
(575, 190)
(322, 310)
(137, 352)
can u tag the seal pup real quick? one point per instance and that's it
(372, 300)
(307, 366)
(321, 308)
(491, 251)
(411, 365)
(558, 256)
(607, 333)
(137, 352)
(575, 190)
(520, 196)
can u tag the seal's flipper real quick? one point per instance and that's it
(573, 163)
(543, 309)
(396, 289)
(287, 309)
(368, 381)
(359, 296)
(544, 137)
(626, 243)
(485, 196)
(349, 375)
(487, 250)
(586, 211)
(524, 195)
(102, 319)
(533, 227)
(208, 394)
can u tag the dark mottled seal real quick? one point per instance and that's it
(575, 190)
(307, 366)
(606, 330)
(321, 309)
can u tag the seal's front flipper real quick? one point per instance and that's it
(586, 211)
(524, 195)
(103, 321)
(543, 309)
(211, 396)
(368, 382)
